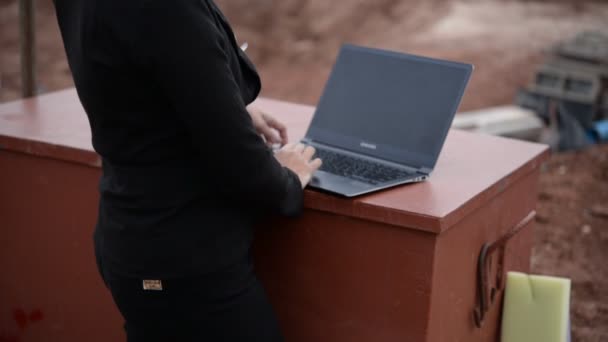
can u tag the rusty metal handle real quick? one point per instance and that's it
(487, 295)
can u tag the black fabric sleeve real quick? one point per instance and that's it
(188, 57)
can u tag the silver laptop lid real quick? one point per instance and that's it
(389, 105)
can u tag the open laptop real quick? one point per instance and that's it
(382, 119)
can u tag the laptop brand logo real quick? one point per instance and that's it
(367, 145)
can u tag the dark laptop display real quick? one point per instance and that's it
(386, 107)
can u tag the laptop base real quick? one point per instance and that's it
(347, 187)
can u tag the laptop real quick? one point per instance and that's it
(383, 119)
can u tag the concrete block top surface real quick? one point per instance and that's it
(472, 168)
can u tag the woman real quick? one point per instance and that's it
(185, 169)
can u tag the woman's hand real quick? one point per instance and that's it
(298, 158)
(273, 131)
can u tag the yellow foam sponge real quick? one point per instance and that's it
(536, 309)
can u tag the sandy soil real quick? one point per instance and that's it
(571, 236)
(294, 43)
(298, 39)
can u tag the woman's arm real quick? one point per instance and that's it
(187, 56)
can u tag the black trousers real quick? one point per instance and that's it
(227, 305)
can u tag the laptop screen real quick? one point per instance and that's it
(389, 105)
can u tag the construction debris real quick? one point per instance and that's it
(508, 121)
(570, 92)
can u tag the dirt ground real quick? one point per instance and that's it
(571, 237)
(294, 43)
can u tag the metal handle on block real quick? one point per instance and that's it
(487, 292)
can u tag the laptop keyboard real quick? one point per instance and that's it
(358, 168)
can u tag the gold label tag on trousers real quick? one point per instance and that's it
(153, 285)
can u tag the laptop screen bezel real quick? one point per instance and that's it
(394, 154)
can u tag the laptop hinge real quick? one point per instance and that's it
(424, 170)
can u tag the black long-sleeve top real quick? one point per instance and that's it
(185, 174)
